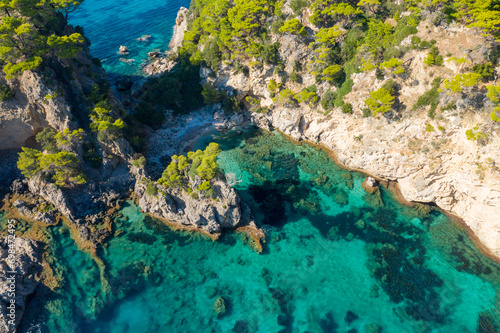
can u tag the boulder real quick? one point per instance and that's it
(212, 216)
(123, 50)
(370, 185)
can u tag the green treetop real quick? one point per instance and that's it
(246, 16)
(494, 95)
(67, 138)
(371, 5)
(67, 6)
(483, 14)
(394, 65)
(294, 27)
(199, 163)
(23, 45)
(461, 81)
(105, 125)
(60, 167)
(380, 101)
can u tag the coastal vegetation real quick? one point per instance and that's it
(344, 38)
(25, 45)
(57, 163)
(184, 171)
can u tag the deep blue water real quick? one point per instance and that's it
(110, 23)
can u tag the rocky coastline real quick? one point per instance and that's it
(438, 167)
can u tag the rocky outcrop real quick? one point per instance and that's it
(207, 214)
(33, 214)
(34, 106)
(20, 266)
(370, 185)
(53, 98)
(161, 65)
(180, 28)
(52, 194)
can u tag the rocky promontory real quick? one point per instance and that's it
(205, 214)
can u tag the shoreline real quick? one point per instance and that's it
(395, 189)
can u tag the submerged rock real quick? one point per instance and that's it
(220, 307)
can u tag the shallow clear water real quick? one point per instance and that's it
(336, 259)
(109, 24)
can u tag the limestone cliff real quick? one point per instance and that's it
(430, 157)
(54, 97)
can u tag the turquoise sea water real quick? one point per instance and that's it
(336, 260)
(109, 24)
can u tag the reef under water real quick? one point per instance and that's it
(336, 259)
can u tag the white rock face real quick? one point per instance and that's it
(179, 29)
(447, 176)
(206, 214)
(33, 107)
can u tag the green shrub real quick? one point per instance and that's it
(344, 89)
(91, 155)
(294, 77)
(204, 186)
(151, 189)
(379, 74)
(487, 71)
(286, 96)
(269, 53)
(431, 98)
(380, 101)
(293, 27)
(298, 5)
(434, 58)
(328, 101)
(210, 94)
(230, 103)
(275, 27)
(308, 94)
(390, 86)
(212, 55)
(279, 68)
(46, 138)
(347, 108)
(139, 162)
(6, 93)
(107, 127)
(475, 134)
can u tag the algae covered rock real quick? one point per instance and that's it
(220, 306)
